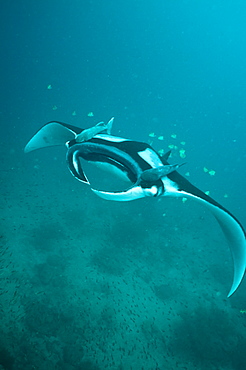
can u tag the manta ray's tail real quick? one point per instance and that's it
(52, 134)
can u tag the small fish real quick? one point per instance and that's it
(157, 173)
(89, 133)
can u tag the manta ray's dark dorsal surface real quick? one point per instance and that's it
(150, 175)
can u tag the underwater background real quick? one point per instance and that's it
(90, 284)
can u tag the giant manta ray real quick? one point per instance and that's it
(150, 174)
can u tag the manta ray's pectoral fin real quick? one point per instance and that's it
(135, 192)
(234, 232)
(52, 134)
(235, 237)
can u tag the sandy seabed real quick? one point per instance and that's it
(92, 284)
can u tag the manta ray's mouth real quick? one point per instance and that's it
(105, 176)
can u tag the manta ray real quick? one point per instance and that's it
(150, 174)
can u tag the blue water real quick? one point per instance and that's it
(89, 284)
